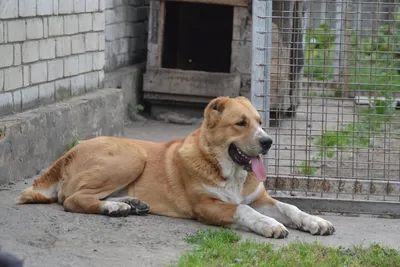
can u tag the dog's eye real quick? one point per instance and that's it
(241, 123)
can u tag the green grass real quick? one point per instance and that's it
(306, 169)
(223, 247)
(373, 62)
(372, 122)
(73, 143)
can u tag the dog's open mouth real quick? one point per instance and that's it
(250, 163)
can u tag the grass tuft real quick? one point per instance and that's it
(73, 143)
(214, 247)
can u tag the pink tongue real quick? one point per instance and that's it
(258, 168)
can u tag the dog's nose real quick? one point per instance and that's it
(266, 143)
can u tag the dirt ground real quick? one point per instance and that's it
(45, 235)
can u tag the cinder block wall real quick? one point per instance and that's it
(49, 50)
(125, 32)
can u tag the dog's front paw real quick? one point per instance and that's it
(317, 226)
(277, 231)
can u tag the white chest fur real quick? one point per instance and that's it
(232, 191)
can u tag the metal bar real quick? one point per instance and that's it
(331, 185)
(242, 3)
(318, 205)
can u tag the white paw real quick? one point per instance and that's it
(275, 230)
(317, 226)
(115, 209)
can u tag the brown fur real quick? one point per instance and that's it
(167, 176)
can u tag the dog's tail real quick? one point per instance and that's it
(44, 188)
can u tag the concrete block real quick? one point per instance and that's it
(92, 5)
(102, 41)
(47, 93)
(6, 55)
(245, 84)
(129, 79)
(27, 8)
(65, 6)
(47, 48)
(85, 63)
(111, 32)
(102, 5)
(110, 16)
(91, 41)
(78, 85)
(79, 6)
(17, 100)
(98, 61)
(121, 13)
(34, 28)
(101, 79)
(71, 66)
(30, 97)
(39, 72)
(55, 68)
(134, 30)
(85, 22)
(17, 54)
(30, 51)
(71, 24)
(241, 57)
(44, 7)
(27, 74)
(12, 78)
(55, 7)
(1, 80)
(56, 25)
(29, 135)
(109, 4)
(16, 30)
(91, 81)
(242, 24)
(8, 9)
(123, 46)
(98, 21)
(78, 44)
(1, 32)
(135, 14)
(6, 103)
(45, 27)
(63, 46)
(63, 89)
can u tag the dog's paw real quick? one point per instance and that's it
(115, 209)
(277, 231)
(318, 226)
(138, 207)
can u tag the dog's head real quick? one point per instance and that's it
(232, 128)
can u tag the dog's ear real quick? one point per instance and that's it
(214, 110)
(219, 103)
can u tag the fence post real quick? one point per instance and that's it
(261, 59)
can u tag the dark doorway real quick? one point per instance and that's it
(197, 37)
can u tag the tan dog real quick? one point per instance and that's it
(214, 175)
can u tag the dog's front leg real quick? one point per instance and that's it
(219, 213)
(292, 217)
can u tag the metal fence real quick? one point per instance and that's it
(326, 79)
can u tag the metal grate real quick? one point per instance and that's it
(326, 78)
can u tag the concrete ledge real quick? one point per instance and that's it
(33, 139)
(130, 80)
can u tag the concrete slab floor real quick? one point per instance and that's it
(46, 235)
